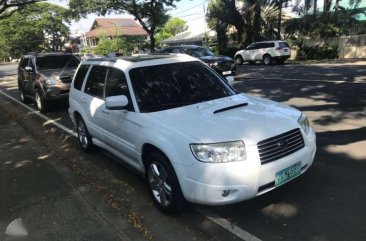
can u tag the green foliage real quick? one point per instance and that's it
(8, 7)
(123, 44)
(171, 28)
(320, 26)
(317, 52)
(26, 30)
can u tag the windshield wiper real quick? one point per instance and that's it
(230, 108)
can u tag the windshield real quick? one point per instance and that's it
(199, 52)
(169, 86)
(57, 62)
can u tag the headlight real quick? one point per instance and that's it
(51, 82)
(214, 64)
(219, 152)
(304, 123)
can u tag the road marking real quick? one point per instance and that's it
(222, 222)
(49, 120)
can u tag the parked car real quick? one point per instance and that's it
(46, 77)
(266, 52)
(221, 64)
(194, 137)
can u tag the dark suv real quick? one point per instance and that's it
(223, 65)
(46, 77)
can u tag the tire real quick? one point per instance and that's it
(251, 62)
(163, 184)
(40, 101)
(22, 96)
(267, 59)
(84, 138)
(239, 60)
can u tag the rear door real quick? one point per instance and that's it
(23, 74)
(92, 100)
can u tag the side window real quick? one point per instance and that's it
(270, 45)
(95, 83)
(117, 85)
(24, 63)
(31, 63)
(252, 46)
(177, 51)
(80, 76)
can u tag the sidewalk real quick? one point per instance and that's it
(50, 207)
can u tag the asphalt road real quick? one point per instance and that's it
(326, 203)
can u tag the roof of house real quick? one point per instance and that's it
(115, 26)
(189, 36)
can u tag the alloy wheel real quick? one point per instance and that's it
(83, 135)
(160, 184)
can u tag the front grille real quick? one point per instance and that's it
(226, 65)
(66, 79)
(280, 146)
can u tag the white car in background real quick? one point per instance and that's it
(194, 137)
(267, 52)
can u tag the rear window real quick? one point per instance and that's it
(284, 45)
(57, 62)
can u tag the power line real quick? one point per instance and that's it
(176, 14)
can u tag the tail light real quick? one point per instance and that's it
(278, 49)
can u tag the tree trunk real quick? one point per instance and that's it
(257, 22)
(315, 6)
(279, 20)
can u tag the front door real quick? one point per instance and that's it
(121, 129)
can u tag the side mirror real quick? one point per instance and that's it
(28, 69)
(116, 102)
(230, 80)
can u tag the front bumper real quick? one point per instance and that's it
(225, 183)
(57, 92)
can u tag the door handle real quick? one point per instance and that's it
(82, 99)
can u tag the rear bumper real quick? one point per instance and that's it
(283, 57)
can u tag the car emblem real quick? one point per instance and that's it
(282, 144)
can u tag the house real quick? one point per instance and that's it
(111, 28)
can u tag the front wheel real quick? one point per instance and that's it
(40, 101)
(239, 60)
(163, 184)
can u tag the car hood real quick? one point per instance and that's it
(54, 73)
(217, 58)
(258, 120)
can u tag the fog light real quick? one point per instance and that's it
(225, 193)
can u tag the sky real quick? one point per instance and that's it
(192, 11)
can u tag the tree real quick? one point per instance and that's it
(171, 28)
(8, 7)
(217, 19)
(151, 14)
(27, 30)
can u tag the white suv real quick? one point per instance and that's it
(267, 52)
(178, 122)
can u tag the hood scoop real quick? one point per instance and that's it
(230, 108)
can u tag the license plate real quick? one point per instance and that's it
(226, 72)
(285, 50)
(287, 174)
